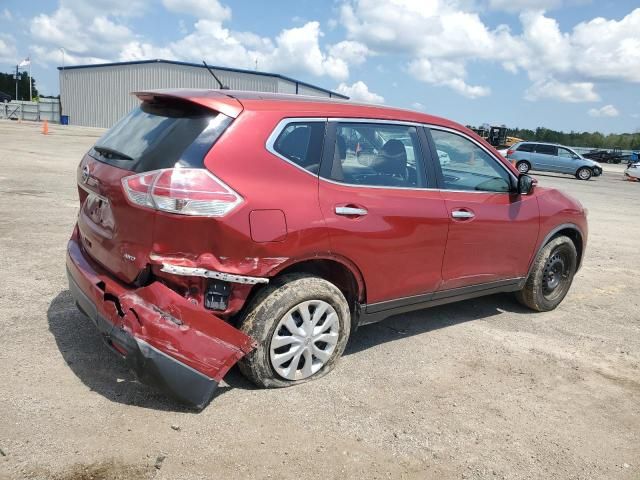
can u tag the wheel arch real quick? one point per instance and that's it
(570, 230)
(346, 276)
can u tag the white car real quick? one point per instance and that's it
(444, 158)
(633, 172)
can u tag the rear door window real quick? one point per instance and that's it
(547, 149)
(377, 154)
(161, 135)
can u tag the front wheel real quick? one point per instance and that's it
(302, 324)
(523, 167)
(584, 173)
(551, 275)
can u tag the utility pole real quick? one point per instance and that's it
(16, 82)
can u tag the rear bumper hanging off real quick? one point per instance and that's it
(168, 342)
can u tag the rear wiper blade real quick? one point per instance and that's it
(111, 153)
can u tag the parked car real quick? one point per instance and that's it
(5, 97)
(444, 158)
(632, 172)
(222, 226)
(549, 157)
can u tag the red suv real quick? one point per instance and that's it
(221, 226)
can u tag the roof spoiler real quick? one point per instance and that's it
(213, 99)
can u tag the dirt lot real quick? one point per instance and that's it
(481, 389)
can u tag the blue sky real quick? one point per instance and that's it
(562, 64)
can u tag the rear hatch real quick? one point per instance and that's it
(165, 134)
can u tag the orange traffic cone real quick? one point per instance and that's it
(45, 128)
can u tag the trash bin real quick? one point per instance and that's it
(64, 119)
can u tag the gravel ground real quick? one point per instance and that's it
(479, 389)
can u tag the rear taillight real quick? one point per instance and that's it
(185, 191)
(510, 152)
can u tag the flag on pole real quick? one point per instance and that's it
(25, 63)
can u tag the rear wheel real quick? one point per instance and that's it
(302, 324)
(584, 173)
(523, 166)
(551, 275)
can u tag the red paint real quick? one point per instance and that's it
(398, 246)
(268, 225)
(199, 338)
(496, 244)
(406, 245)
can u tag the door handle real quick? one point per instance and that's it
(462, 214)
(351, 211)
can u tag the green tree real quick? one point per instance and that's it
(8, 85)
(626, 141)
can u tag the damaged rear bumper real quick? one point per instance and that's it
(168, 342)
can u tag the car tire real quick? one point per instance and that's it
(523, 166)
(551, 275)
(584, 173)
(268, 321)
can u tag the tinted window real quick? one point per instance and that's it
(547, 149)
(466, 166)
(301, 142)
(161, 135)
(525, 147)
(375, 154)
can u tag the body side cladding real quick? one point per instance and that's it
(377, 312)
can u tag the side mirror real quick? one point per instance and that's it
(525, 184)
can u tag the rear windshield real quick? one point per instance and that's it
(161, 135)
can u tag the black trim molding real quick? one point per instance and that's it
(376, 312)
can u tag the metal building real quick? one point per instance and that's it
(99, 95)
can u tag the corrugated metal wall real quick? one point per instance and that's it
(98, 97)
(305, 90)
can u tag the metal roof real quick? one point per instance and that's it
(214, 67)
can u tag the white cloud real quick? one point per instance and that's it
(6, 15)
(295, 50)
(98, 37)
(446, 73)
(609, 49)
(434, 40)
(94, 8)
(299, 48)
(437, 36)
(519, 5)
(418, 106)
(209, 9)
(606, 111)
(565, 92)
(450, 33)
(354, 53)
(359, 92)
(136, 50)
(44, 55)
(8, 52)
